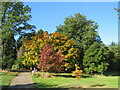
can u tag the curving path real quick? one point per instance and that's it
(22, 81)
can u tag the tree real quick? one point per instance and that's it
(27, 36)
(20, 45)
(80, 30)
(69, 49)
(32, 49)
(14, 21)
(58, 42)
(113, 57)
(39, 32)
(23, 38)
(9, 52)
(96, 58)
(118, 10)
(50, 60)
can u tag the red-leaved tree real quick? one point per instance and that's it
(50, 60)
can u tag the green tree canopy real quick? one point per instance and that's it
(114, 56)
(81, 30)
(15, 17)
(96, 58)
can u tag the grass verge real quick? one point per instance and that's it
(7, 76)
(65, 80)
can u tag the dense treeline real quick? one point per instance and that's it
(76, 43)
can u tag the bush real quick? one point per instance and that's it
(19, 62)
(77, 73)
(15, 66)
(44, 75)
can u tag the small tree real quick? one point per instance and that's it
(96, 58)
(49, 60)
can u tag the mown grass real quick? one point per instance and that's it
(7, 77)
(65, 80)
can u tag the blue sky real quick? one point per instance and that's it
(70, 0)
(48, 15)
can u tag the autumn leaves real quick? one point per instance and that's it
(37, 51)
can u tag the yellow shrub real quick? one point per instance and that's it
(77, 73)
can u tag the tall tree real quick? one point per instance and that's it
(81, 30)
(9, 52)
(14, 21)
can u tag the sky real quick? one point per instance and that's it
(48, 15)
(70, 0)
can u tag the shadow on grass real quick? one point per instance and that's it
(19, 87)
(87, 76)
(49, 87)
(98, 85)
(54, 87)
(70, 76)
(66, 76)
(42, 85)
(31, 87)
(112, 74)
(19, 70)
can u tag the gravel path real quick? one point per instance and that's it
(22, 81)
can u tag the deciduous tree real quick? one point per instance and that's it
(50, 60)
(14, 21)
(96, 58)
(58, 41)
(81, 30)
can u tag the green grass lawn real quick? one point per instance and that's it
(7, 77)
(65, 80)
